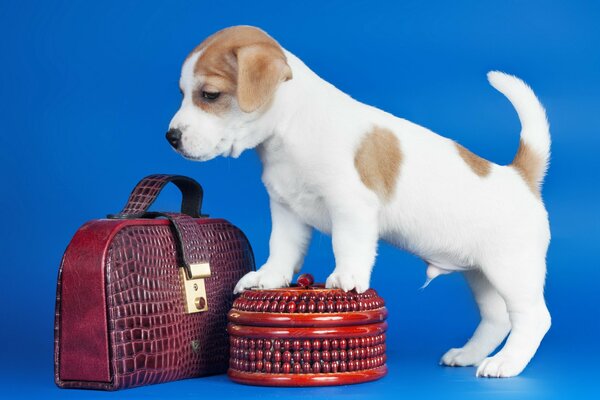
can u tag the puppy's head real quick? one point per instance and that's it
(227, 83)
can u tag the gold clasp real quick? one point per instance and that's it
(194, 291)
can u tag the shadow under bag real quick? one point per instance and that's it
(142, 297)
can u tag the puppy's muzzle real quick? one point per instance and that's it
(174, 137)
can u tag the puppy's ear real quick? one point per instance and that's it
(261, 67)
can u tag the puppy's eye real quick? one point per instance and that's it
(210, 96)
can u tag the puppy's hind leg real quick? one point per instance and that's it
(492, 329)
(520, 282)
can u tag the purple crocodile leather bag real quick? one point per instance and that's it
(142, 297)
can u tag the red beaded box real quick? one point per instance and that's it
(307, 336)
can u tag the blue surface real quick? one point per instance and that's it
(87, 90)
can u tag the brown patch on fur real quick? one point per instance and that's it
(378, 160)
(480, 166)
(240, 61)
(530, 166)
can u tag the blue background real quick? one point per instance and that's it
(88, 89)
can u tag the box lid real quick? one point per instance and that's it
(307, 304)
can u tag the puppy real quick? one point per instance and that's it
(361, 174)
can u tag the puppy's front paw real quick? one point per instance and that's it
(500, 366)
(347, 281)
(261, 279)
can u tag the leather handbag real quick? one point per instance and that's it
(142, 297)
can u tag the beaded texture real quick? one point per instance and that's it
(306, 356)
(310, 300)
(278, 337)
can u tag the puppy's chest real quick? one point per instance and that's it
(287, 185)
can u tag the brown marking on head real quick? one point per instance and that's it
(378, 160)
(480, 166)
(242, 62)
(530, 166)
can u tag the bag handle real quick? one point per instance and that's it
(148, 189)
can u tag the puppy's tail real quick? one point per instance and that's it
(533, 154)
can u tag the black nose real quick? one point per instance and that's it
(174, 137)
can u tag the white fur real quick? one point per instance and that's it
(493, 228)
(534, 125)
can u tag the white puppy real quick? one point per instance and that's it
(361, 174)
